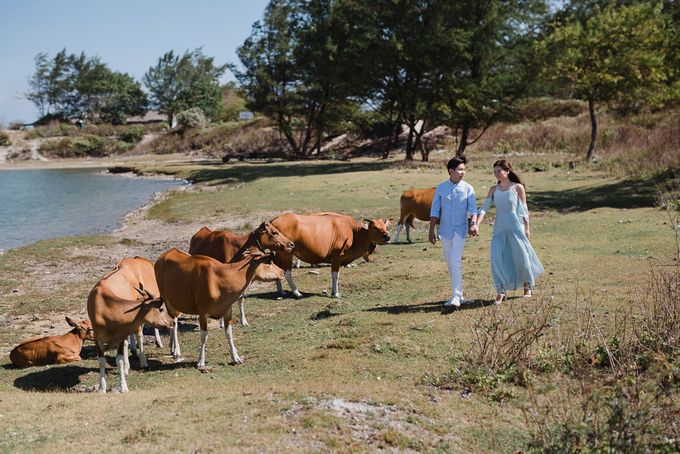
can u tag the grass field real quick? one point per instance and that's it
(382, 367)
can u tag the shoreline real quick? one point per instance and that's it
(131, 217)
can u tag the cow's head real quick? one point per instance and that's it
(83, 328)
(270, 238)
(377, 230)
(153, 310)
(265, 270)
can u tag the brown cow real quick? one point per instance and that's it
(224, 246)
(142, 269)
(415, 204)
(39, 351)
(118, 306)
(201, 285)
(324, 238)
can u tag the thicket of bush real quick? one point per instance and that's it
(4, 139)
(83, 146)
(597, 384)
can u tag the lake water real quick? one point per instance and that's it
(39, 204)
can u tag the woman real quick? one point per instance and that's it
(513, 261)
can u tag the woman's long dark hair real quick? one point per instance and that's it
(505, 165)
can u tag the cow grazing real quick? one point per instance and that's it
(201, 285)
(40, 351)
(415, 204)
(334, 239)
(224, 246)
(117, 309)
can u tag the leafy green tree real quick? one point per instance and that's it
(178, 83)
(78, 86)
(616, 57)
(294, 69)
(410, 43)
(496, 66)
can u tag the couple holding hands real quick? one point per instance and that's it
(514, 263)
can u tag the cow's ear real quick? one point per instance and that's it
(70, 322)
(389, 222)
(365, 224)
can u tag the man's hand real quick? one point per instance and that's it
(433, 237)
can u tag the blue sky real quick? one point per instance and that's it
(129, 36)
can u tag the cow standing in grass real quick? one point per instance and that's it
(201, 285)
(224, 246)
(327, 238)
(117, 309)
(414, 204)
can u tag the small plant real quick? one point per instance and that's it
(4, 139)
(133, 135)
(191, 119)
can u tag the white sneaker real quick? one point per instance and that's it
(454, 302)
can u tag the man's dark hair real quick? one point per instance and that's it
(455, 162)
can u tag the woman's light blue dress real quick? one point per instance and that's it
(513, 260)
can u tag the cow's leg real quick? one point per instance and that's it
(174, 341)
(140, 351)
(297, 263)
(396, 235)
(291, 283)
(120, 361)
(242, 310)
(126, 356)
(133, 345)
(157, 338)
(230, 338)
(335, 276)
(203, 322)
(102, 368)
(409, 223)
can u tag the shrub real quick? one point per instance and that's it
(133, 135)
(191, 119)
(4, 139)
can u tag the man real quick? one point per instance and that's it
(453, 200)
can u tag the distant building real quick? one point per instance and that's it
(151, 116)
(245, 115)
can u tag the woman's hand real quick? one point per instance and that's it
(527, 232)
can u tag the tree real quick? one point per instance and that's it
(178, 83)
(616, 56)
(78, 86)
(297, 70)
(496, 66)
(409, 45)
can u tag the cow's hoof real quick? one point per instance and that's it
(204, 370)
(335, 295)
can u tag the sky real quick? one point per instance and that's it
(129, 36)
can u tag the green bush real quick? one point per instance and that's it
(191, 119)
(133, 135)
(4, 139)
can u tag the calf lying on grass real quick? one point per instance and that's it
(39, 351)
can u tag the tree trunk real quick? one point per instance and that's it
(465, 133)
(593, 129)
(409, 144)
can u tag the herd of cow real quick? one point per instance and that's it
(208, 280)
